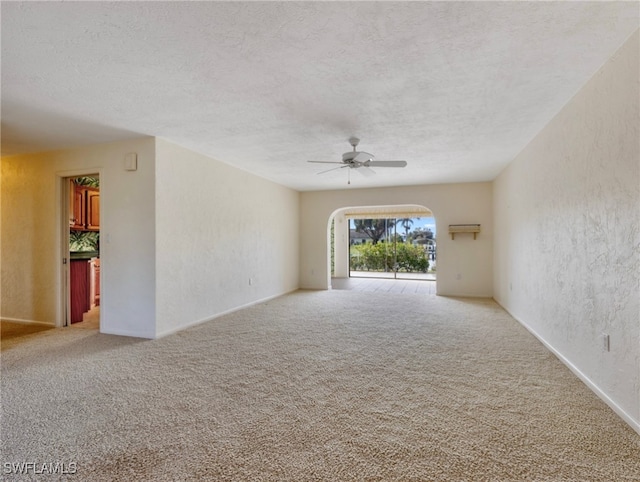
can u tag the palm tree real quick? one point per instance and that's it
(406, 224)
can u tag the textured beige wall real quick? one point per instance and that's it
(32, 251)
(567, 236)
(224, 238)
(183, 239)
(28, 240)
(464, 264)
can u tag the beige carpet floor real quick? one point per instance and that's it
(329, 385)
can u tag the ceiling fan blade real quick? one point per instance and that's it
(363, 157)
(366, 171)
(386, 163)
(325, 162)
(333, 169)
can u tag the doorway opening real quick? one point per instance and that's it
(388, 242)
(81, 250)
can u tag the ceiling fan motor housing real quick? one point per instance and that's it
(357, 158)
(348, 156)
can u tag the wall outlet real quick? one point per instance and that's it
(606, 342)
(459, 276)
(250, 281)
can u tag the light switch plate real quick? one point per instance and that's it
(131, 161)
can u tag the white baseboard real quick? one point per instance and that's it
(131, 334)
(449, 294)
(633, 423)
(28, 322)
(218, 315)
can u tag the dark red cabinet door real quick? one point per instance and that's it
(79, 289)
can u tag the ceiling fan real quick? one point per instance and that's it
(362, 161)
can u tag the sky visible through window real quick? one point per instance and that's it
(425, 223)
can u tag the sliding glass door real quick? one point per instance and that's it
(392, 248)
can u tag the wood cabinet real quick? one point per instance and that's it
(85, 287)
(94, 291)
(78, 207)
(92, 217)
(84, 212)
(79, 289)
(96, 298)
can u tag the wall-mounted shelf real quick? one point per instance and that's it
(463, 228)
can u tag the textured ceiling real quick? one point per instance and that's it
(456, 89)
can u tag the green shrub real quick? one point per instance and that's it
(380, 257)
(412, 258)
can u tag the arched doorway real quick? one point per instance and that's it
(396, 241)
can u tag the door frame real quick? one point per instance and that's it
(341, 233)
(63, 194)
